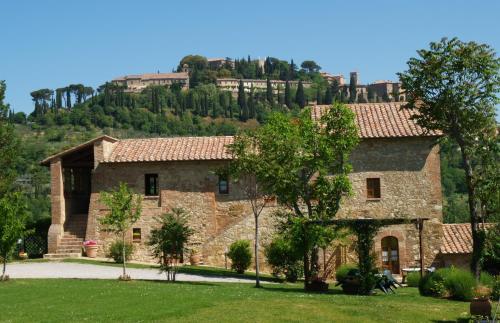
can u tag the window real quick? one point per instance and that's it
(223, 185)
(373, 188)
(151, 185)
(136, 235)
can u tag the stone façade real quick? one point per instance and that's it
(408, 169)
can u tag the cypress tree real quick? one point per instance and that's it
(242, 102)
(352, 88)
(371, 94)
(300, 98)
(288, 95)
(58, 98)
(251, 106)
(318, 96)
(269, 91)
(335, 88)
(328, 96)
(68, 98)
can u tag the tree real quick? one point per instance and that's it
(310, 66)
(335, 88)
(288, 95)
(371, 94)
(269, 91)
(454, 86)
(353, 84)
(169, 240)
(13, 217)
(9, 146)
(307, 171)
(328, 96)
(125, 210)
(300, 98)
(242, 102)
(249, 173)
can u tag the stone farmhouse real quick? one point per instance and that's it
(396, 174)
(137, 83)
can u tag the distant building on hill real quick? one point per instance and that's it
(232, 84)
(137, 83)
(216, 63)
(331, 77)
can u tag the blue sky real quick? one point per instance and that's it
(55, 43)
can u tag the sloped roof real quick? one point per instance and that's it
(171, 149)
(86, 144)
(381, 120)
(378, 120)
(154, 76)
(457, 238)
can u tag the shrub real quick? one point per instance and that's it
(459, 284)
(487, 280)
(283, 260)
(343, 271)
(115, 251)
(495, 293)
(450, 282)
(240, 255)
(432, 284)
(413, 279)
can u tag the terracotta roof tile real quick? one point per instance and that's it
(171, 149)
(457, 238)
(381, 120)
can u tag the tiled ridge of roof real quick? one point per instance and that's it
(153, 76)
(381, 120)
(171, 149)
(457, 238)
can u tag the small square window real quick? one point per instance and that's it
(151, 184)
(136, 235)
(373, 188)
(223, 185)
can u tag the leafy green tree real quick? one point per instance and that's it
(9, 146)
(240, 255)
(169, 240)
(124, 211)
(310, 66)
(454, 86)
(249, 173)
(13, 217)
(300, 98)
(307, 164)
(288, 95)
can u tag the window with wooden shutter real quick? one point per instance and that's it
(373, 188)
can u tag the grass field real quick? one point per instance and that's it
(60, 300)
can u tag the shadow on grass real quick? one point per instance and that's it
(160, 281)
(459, 320)
(301, 290)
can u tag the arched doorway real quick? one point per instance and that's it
(390, 254)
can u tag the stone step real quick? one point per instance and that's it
(68, 250)
(62, 255)
(73, 235)
(71, 245)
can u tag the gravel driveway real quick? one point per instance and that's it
(84, 271)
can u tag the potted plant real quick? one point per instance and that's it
(90, 247)
(480, 304)
(195, 257)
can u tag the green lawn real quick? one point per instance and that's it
(60, 300)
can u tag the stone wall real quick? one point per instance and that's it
(408, 169)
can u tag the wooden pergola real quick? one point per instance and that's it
(379, 223)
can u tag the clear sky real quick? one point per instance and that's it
(50, 44)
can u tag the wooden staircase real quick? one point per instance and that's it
(71, 243)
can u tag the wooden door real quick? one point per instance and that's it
(390, 254)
